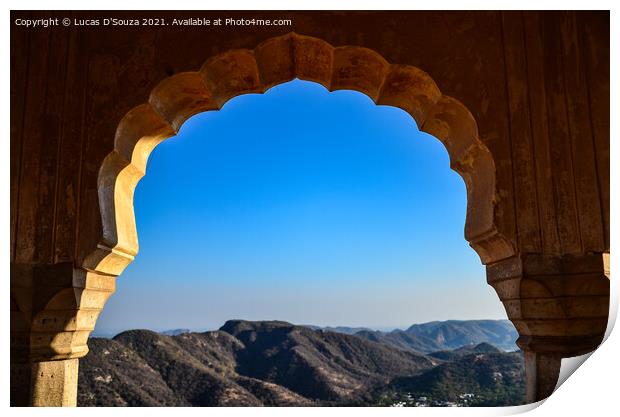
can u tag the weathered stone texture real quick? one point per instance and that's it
(520, 100)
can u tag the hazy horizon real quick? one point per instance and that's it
(113, 332)
(306, 206)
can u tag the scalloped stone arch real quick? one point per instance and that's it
(276, 61)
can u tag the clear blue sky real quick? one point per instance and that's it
(300, 205)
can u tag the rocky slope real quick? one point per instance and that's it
(494, 378)
(243, 363)
(276, 363)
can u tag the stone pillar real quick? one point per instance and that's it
(541, 375)
(54, 383)
(53, 310)
(47, 384)
(21, 375)
(560, 307)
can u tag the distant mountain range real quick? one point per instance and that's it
(175, 332)
(448, 335)
(276, 363)
(338, 329)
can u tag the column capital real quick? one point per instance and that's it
(559, 304)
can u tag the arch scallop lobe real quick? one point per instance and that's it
(273, 62)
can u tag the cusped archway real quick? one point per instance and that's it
(275, 61)
(61, 329)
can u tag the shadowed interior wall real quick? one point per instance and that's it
(537, 84)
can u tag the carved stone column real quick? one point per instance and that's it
(53, 310)
(560, 307)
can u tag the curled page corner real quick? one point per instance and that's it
(520, 409)
(570, 365)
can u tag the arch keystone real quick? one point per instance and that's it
(275, 61)
(313, 59)
(231, 74)
(359, 69)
